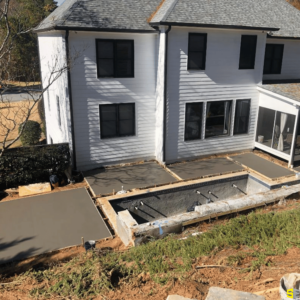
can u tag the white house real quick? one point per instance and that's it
(172, 79)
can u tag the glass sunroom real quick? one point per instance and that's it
(278, 128)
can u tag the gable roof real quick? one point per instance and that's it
(141, 15)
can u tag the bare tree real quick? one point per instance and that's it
(13, 118)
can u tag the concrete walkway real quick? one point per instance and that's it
(40, 224)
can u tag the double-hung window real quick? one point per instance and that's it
(241, 119)
(218, 117)
(193, 121)
(117, 120)
(115, 58)
(273, 58)
(197, 51)
(248, 52)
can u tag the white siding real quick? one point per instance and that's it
(53, 58)
(89, 92)
(222, 80)
(291, 60)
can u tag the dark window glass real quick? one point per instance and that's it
(58, 111)
(115, 58)
(248, 51)
(117, 120)
(218, 117)
(197, 51)
(273, 58)
(193, 121)
(242, 113)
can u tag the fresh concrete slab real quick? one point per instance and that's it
(203, 168)
(262, 166)
(40, 224)
(216, 293)
(105, 181)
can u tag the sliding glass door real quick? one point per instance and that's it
(275, 129)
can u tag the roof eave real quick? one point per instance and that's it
(283, 37)
(96, 29)
(214, 26)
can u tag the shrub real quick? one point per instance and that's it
(31, 133)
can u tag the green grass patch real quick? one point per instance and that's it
(84, 277)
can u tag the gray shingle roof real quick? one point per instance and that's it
(104, 14)
(289, 90)
(135, 14)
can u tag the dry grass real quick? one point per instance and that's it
(17, 111)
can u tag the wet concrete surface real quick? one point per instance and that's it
(197, 169)
(104, 181)
(262, 166)
(40, 224)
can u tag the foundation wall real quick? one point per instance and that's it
(158, 205)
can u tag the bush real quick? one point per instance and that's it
(31, 133)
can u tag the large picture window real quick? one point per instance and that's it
(218, 117)
(273, 58)
(115, 58)
(241, 119)
(248, 51)
(117, 120)
(197, 51)
(193, 121)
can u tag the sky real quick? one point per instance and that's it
(59, 2)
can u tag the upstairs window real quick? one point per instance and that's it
(117, 120)
(248, 52)
(197, 51)
(273, 58)
(218, 117)
(242, 113)
(115, 58)
(193, 121)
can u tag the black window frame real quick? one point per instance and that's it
(251, 62)
(187, 121)
(117, 121)
(204, 51)
(235, 117)
(230, 112)
(270, 72)
(115, 41)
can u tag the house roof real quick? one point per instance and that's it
(101, 14)
(270, 15)
(287, 89)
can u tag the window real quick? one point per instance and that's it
(273, 58)
(242, 113)
(248, 51)
(193, 121)
(117, 120)
(58, 111)
(275, 129)
(197, 51)
(115, 58)
(218, 116)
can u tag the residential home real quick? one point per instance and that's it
(171, 80)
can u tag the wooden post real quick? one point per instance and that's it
(82, 241)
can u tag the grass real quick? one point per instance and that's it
(84, 277)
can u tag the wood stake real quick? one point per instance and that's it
(82, 241)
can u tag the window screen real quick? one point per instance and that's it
(242, 113)
(218, 117)
(115, 58)
(273, 58)
(117, 120)
(197, 51)
(248, 51)
(193, 121)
